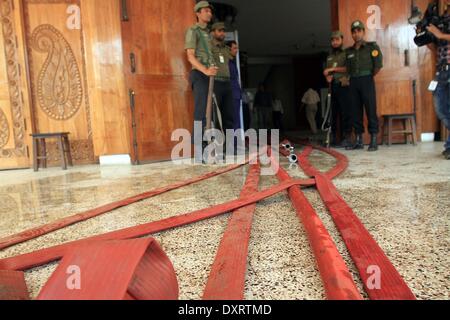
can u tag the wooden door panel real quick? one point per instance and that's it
(395, 97)
(163, 100)
(13, 113)
(161, 109)
(60, 98)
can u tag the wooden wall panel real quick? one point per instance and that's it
(106, 81)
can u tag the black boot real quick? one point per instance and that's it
(347, 142)
(373, 144)
(359, 144)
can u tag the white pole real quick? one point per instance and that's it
(238, 64)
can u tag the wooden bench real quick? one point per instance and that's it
(39, 139)
(389, 127)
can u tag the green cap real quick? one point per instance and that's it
(202, 4)
(358, 24)
(218, 26)
(337, 34)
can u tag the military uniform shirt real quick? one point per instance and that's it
(199, 39)
(365, 60)
(222, 57)
(337, 59)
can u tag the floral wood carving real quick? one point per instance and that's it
(59, 85)
(4, 130)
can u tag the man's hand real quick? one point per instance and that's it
(211, 72)
(328, 71)
(435, 31)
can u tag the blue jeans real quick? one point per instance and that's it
(442, 101)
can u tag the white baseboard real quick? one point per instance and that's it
(116, 160)
(428, 137)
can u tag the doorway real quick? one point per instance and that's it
(284, 46)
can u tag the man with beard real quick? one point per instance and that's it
(222, 87)
(336, 75)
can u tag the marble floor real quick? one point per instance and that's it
(401, 194)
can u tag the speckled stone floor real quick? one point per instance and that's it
(401, 194)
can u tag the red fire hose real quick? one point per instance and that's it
(227, 277)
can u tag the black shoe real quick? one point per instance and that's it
(447, 154)
(359, 144)
(373, 144)
(346, 143)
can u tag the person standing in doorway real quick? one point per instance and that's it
(222, 87)
(336, 75)
(235, 85)
(263, 106)
(277, 114)
(364, 61)
(310, 101)
(199, 54)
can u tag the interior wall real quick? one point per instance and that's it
(257, 74)
(281, 83)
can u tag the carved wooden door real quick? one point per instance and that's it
(15, 124)
(57, 72)
(156, 71)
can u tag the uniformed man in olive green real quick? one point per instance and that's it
(336, 74)
(199, 54)
(364, 61)
(222, 87)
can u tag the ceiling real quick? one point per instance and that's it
(284, 27)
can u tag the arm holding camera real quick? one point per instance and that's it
(438, 33)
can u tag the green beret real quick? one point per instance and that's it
(201, 5)
(218, 26)
(358, 24)
(337, 34)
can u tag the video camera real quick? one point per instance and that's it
(424, 37)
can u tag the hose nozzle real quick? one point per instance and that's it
(293, 158)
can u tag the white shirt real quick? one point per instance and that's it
(311, 97)
(278, 106)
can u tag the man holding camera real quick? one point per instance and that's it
(364, 62)
(442, 81)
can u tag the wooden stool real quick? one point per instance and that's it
(64, 146)
(389, 127)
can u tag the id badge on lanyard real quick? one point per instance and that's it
(433, 86)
